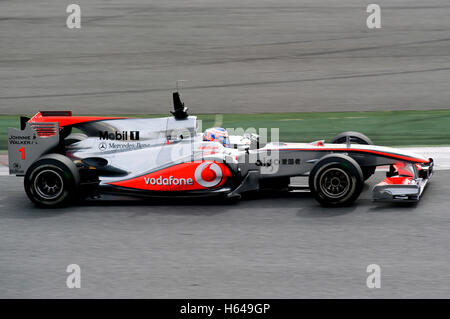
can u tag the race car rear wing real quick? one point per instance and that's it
(27, 144)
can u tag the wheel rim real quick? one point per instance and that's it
(48, 184)
(334, 182)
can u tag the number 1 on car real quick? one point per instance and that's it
(22, 151)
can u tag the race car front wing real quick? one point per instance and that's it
(404, 183)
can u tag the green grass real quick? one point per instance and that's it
(5, 122)
(393, 128)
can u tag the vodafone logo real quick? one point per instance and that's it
(168, 181)
(195, 175)
(208, 174)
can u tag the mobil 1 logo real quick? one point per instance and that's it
(119, 136)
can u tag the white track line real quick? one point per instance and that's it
(441, 156)
(4, 170)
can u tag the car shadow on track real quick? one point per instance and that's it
(386, 207)
(207, 206)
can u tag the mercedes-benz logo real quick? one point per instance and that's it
(102, 146)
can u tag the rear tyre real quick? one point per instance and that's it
(52, 181)
(356, 138)
(336, 180)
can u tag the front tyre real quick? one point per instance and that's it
(51, 181)
(356, 138)
(336, 180)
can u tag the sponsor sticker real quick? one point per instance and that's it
(22, 140)
(115, 146)
(208, 174)
(119, 136)
(168, 181)
(181, 177)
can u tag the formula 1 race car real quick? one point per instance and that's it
(64, 157)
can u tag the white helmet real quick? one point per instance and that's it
(217, 134)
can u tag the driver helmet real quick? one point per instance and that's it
(217, 134)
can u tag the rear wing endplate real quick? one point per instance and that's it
(26, 145)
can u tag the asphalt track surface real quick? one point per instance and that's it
(237, 56)
(271, 246)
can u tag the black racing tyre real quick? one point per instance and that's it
(52, 181)
(336, 180)
(356, 138)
